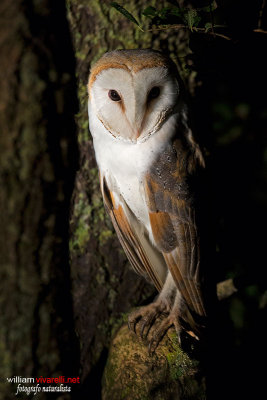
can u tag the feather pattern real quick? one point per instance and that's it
(172, 219)
(143, 257)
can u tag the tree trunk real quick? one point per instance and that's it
(37, 166)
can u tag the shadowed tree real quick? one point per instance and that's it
(38, 155)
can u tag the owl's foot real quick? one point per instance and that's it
(171, 320)
(145, 317)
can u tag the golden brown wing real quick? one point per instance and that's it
(172, 219)
(145, 259)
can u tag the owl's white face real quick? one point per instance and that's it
(134, 105)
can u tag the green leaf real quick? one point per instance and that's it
(197, 20)
(192, 18)
(124, 12)
(208, 26)
(150, 12)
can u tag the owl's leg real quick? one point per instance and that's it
(171, 320)
(146, 316)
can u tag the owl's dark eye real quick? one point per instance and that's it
(154, 93)
(114, 95)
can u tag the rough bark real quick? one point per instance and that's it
(37, 164)
(104, 286)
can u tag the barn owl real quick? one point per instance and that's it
(146, 154)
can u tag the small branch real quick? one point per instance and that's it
(162, 28)
(259, 31)
(203, 30)
(216, 34)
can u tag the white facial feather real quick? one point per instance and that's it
(135, 117)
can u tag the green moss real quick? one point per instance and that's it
(179, 362)
(82, 116)
(82, 213)
(131, 373)
(89, 216)
(132, 388)
(117, 322)
(81, 237)
(105, 236)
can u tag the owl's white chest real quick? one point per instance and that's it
(125, 164)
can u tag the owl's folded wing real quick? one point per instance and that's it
(172, 220)
(144, 258)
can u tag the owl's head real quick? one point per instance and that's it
(133, 92)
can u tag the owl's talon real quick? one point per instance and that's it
(147, 322)
(144, 325)
(132, 326)
(162, 329)
(146, 315)
(142, 328)
(150, 351)
(133, 319)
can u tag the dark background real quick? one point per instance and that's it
(57, 317)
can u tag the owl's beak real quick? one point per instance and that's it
(136, 119)
(139, 125)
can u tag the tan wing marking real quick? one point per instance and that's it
(129, 239)
(163, 231)
(174, 230)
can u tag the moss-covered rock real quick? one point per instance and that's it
(132, 374)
